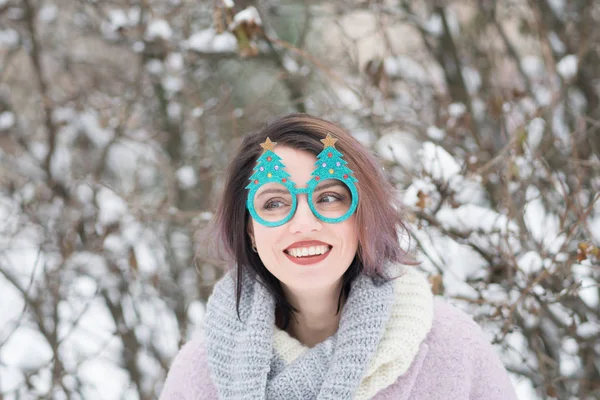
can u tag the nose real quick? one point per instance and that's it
(304, 221)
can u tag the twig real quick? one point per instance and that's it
(42, 86)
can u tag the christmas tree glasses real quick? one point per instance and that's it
(331, 192)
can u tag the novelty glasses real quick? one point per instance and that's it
(331, 192)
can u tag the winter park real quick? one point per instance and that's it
(119, 121)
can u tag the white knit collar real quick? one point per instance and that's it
(410, 322)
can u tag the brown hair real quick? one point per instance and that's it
(378, 214)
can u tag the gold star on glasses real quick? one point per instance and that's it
(268, 145)
(329, 141)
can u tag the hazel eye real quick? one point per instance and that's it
(273, 204)
(330, 198)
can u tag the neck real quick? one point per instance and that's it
(317, 317)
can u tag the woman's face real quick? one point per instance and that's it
(280, 248)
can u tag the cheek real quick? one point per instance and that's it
(351, 230)
(265, 237)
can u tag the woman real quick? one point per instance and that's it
(320, 303)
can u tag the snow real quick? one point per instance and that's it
(557, 45)
(364, 136)
(62, 115)
(197, 112)
(456, 110)
(118, 19)
(156, 315)
(247, 15)
(567, 67)
(406, 68)
(61, 163)
(468, 191)
(472, 79)
(138, 46)
(558, 7)
(12, 306)
(290, 64)
(175, 61)
(543, 95)
(154, 66)
(182, 246)
(7, 120)
(27, 349)
(146, 258)
(544, 227)
(105, 380)
(100, 136)
(452, 20)
(560, 129)
(9, 37)
(27, 193)
(158, 29)
(535, 132)
(589, 292)
(174, 110)
(48, 13)
(93, 335)
(208, 41)
(195, 313)
(587, 329)
(115, 246)
(224, 43)
(533, 66)
(435, 133)
(12, 378)
(22, 257)
(205, 216)
(577, 100)
(112, 207)
(434, 25)
(348, 98)
(438, 163)
(14, 13)
(172, 84)
(186, 176)
(569, 362)
(128, 157)
(84, 193)
(85, 286)
(471, 217)
(133, 14)
(530, 263)
(457, 261)
(238, 112)
(397, 146)
(410, 196)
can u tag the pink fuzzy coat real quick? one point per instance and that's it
(454, 362)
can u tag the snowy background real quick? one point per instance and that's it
(118, 118)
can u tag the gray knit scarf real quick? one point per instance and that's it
(243, 364)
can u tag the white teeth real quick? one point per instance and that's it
(308, 251)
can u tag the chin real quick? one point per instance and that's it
(314, 278)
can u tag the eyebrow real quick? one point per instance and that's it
(328, 185)
(270, 191)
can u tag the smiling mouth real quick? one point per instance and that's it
(307, 252)
(302, 255)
